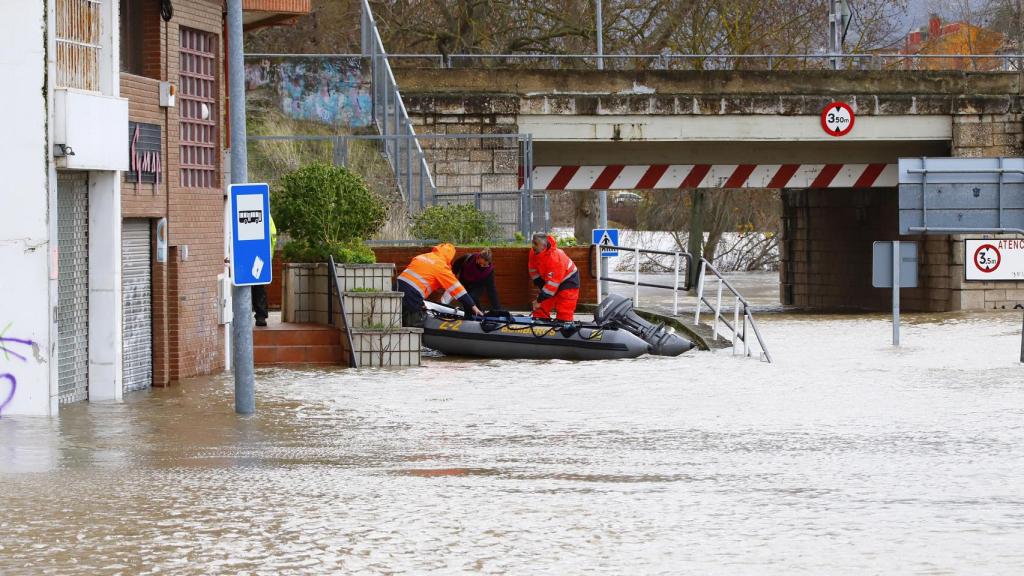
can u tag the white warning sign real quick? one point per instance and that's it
(988, 260)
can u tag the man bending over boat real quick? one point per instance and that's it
(476, 272)
(426, 274)
(556, 275)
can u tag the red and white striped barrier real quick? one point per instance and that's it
(672, 176)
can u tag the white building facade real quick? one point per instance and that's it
(60, 204)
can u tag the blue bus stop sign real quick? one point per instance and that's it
(250, 234)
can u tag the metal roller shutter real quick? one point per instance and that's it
(137, 309)
(73, 286)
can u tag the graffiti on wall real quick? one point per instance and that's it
(330, 90)
(11, 349)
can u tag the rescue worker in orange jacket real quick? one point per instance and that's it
(426, 274)
(556, 275)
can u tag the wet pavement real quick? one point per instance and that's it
(844, 457)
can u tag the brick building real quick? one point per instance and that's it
(175, 188)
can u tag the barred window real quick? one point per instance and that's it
(78, 44)
(197, 92)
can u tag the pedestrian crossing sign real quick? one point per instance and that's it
(607, 239)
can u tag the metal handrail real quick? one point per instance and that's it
(392, 118)
(334, 284)
(675, 287)
(734, 328)
(663, 60)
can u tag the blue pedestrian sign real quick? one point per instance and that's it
(606, 237)
(250, 234)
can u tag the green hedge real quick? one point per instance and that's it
(456, 223)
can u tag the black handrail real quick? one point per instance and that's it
(685, 275)
(332, 285)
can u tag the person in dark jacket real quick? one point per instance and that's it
(476, 272)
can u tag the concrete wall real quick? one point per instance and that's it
(25, 249)
(990, 132)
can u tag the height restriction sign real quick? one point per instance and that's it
(837, 119)
(988, 260)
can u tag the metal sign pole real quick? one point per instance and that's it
(603, 223)
(241, 326)
(896, 293)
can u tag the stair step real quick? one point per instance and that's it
(296, 335)
(285, 355)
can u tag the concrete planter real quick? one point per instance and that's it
(374, 310)
(381, 310)
(399, 347)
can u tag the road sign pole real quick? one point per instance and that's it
(896, 293)
(602, 197)
(241, 325)
(1022, 342)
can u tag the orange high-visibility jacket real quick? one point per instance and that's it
(552, 270)
(432, 271)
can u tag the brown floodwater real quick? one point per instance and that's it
(844, 457)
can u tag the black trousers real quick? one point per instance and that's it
(478, 289)
(259, 302)
(412, 306)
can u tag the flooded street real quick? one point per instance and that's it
(843, 457)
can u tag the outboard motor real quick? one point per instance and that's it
(618, 311)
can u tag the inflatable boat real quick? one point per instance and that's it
(616, 332)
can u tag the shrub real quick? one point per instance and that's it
(455, 223)
(326, 210)
(566, 241)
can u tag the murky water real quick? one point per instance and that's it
(844, 457)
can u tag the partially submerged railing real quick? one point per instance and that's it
(741, 310)
(678, 259)
(334, 285)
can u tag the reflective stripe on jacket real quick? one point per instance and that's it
(432, 271)
(554, 268)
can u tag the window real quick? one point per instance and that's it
(78, 44)
(197, 93)
(140, 37)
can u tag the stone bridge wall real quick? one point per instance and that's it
(827, 234)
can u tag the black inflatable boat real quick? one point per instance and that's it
(617, 332)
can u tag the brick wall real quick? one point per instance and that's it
(187, 339)
(826, 251)
(510, 272)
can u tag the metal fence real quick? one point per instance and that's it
(671, 61)
(517, 209)
(514, 211)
